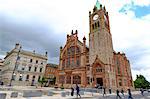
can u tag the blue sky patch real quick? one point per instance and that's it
(138, 10)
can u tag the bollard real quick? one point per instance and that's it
(3, 95)
(14, 95)
(63, 94)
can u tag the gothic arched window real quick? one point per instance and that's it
(76, 79)
(68, 79)
(98, 23)
(68, 52)
(63, 64)
(77, 50)
(73, 57)
(78, 61)
(61, 79)
(95, 25)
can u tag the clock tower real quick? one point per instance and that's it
(100, 42)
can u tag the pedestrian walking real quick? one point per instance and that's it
(104, 91)
(117, 92)
(78, 90)
(130, 95)
(109, 90)
(72, 91)
(122, 91)
(142, 91)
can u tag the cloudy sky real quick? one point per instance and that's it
(42, 25)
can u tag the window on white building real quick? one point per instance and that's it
(27, 78)
(20, 77)
(33, 78)
(40, 69)
(39, 78)
(36, 61)
(14, 76)
(23, 68)
(29, 68)
(30, 60)
(35, 69)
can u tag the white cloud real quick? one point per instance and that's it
(142, 2)
(130, 32)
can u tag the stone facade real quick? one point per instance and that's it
(23, 67)
(72, 66)
(123, 71)
(101, 48)
(51, 73)
(1, 69)
(95, 65)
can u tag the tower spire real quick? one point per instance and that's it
(97, 5)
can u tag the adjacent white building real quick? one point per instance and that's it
(1, 68)
(23, 67)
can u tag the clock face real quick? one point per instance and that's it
(95, 17)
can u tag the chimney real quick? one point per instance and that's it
(46, 53)
(72, 32)
(89, 13)
(76, 31)
(17, 46)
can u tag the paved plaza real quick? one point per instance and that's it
(51, 93)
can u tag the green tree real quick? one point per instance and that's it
(42, 81)
(141, 82)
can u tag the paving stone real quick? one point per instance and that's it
(32, 93)
(3, 95)
(67, 93)
(63, 94)
(81, 92)
(14, 95)
(50, 93)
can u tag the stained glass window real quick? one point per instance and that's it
(78, 61)
(61, 79)
(70, 60)
(68, 79)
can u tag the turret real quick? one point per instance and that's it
(17, 46)
(60, 49)
(84, 43)
(46, 53)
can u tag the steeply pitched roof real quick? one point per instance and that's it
(97, 5)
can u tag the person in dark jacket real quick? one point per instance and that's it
(109, 90)
(78, 90)
(117, 92)
(72, 91)
(130, 95)
(104, 91)
(142, 91)
(122, 91)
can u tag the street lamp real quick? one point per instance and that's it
(13, 78)
(15, 67)
(91, 79)
(20, 77)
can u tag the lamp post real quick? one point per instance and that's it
(20, 77)
(91, 79)
(13, 76)
(13, 73)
